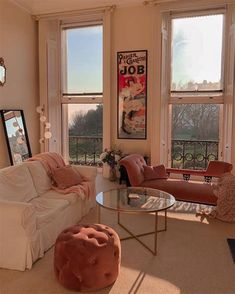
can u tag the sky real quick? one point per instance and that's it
(190, 35)
(11, 130)
(84, 59)
(197, 48)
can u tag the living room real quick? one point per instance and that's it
(193, 255)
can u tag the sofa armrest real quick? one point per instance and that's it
(87, 172)
(17, 225)
(14, 213)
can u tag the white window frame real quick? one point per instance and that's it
(74, 98)
(213, 97)
(200, 96)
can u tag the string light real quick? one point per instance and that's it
(46, 125)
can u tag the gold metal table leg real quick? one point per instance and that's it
(165, 220)
(98, 213)
(155, 235)
(133, 236)
(118, 217)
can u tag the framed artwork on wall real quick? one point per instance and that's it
(16, 135)
(132, 94)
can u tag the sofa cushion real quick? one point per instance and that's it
(47, 209)
(52, 194)
(155, 172)
(16, 184)
(41, 180)
(66, 177)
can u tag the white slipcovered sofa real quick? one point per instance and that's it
(32, 214)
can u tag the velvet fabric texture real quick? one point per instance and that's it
(66, 177)
(216, 168)
(198, 192)
(155, 172)
(87, 257)
(134, 165)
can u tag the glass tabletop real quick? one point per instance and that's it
(135, 199)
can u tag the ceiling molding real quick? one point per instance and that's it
(40, 7)
(21, 4)
(155, 2)
(63, 14)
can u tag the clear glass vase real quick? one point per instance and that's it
(113, 175)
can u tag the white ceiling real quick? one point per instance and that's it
(49, 6)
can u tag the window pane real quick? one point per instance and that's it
(84, 60)
(197, 53)
(85, 123)
(195, 135)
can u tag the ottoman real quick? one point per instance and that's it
(87, 257)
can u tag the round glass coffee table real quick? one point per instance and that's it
(137, 200)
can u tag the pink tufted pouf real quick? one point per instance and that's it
(87, 257)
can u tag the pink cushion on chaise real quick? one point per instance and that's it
(154, 172)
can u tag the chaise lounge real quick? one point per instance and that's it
(183, 190)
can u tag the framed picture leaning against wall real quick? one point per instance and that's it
(132, 94)
(16, 135)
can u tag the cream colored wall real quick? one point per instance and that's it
(18, 47)
(131, 29)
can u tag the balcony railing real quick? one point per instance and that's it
(85, 150)
(193, 154)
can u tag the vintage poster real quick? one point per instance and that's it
(132, 94)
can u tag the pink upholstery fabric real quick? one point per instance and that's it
(186, 191)
(87, 257)
(66, 177)
(215, 168)
(154, 172)
(134, 165)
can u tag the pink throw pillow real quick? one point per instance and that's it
(155, 172)
(66, 177)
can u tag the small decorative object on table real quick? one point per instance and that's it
(110, 159)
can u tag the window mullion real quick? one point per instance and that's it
(81, 100)
(196, 100)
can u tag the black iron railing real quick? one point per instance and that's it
(85, 150)
(193, 154)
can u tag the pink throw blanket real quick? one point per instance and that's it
(51, 161)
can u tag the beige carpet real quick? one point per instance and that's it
(193, 257)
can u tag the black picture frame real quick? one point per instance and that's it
(16, 135)
(132, 67)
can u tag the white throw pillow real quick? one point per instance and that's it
(41, 180)
(16, 184)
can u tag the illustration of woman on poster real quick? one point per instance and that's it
(132, 95)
